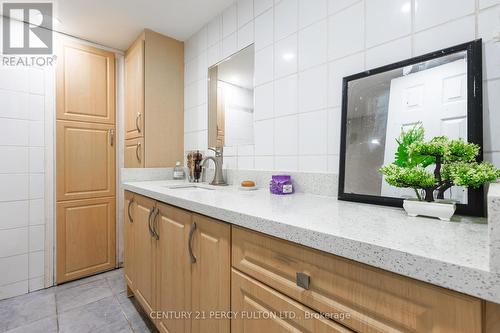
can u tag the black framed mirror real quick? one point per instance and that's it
(441, 90)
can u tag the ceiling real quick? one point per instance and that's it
(116, 23)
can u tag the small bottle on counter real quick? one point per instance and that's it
(179, 171)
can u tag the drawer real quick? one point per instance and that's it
(258, 308)
(376, 300)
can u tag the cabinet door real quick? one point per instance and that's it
(144, 254)
(174, 284)
(85, 237)
(134, 90)
(85, 160)
(128, 239)
(211, 273)
(260, 309)
(134, 153)
(85, 84)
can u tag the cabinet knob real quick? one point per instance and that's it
(303, 280)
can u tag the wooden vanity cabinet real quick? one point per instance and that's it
(128, 239)
(154, 101)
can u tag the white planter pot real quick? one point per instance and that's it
(441, 209)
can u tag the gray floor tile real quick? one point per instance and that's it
(23, 310)
(46, 325)
(81, 295)
(137, 318)
(117, 283)
(103, 316)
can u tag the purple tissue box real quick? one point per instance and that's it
(281, 184)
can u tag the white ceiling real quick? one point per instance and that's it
(116, 23)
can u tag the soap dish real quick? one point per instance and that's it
(248, 188)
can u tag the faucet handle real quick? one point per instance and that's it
(218, 151)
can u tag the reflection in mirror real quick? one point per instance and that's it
(230, 104)
(432, 92)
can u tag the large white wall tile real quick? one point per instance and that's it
(14, 214)
(36, 212)
(285, 99)
(264, 29)
(37, 133)
(332, 162)
(261, 6)
(246, 162)
(36, 238)
(285, 16)
(337, 70)
(13, 289)
(489, 23)
(14, 132)
(245, 12)
(286, 163)
(346, 32)
(229, 21)
(37, 186)
(264, 96)
(313, 88)
(387, 20)
(14, 187)
(429, 13)
(285, 135)
(446, 35)
(14, 269)
(36, 81)
(264, 65)
(214, 30)
(313, 45)
(14, 78)
(487, 3)
(388, 53)
(36, 284)
(14, 159)
(311, 11)
(316, 163)
(312, 133)
(36, 264)
(229, 45)
(264, 163)
(214, 54)
(13, 242)
(264, 137)
(491, 60)
(245, 36)
(36, 159)
(14, 104)
(337, 5)
(285, 56)
(334, 121)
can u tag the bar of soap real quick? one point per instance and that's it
(247, 183)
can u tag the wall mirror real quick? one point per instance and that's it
(442, 90)
(230, 100)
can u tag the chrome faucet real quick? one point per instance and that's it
(218, 160)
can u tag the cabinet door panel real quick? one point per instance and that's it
(85, 160)
(134, 153)
(262, 309)
(134, 91)
(144, 255)
(86, 84)
(85, 237)
(174, 285)
(128, 239)
(211, 273)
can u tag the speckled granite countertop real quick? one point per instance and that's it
(454, 255)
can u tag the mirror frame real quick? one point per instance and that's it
(475, 197)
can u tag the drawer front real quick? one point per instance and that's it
(255, 306)
(375, 300)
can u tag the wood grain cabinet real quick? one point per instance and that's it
(154, 101)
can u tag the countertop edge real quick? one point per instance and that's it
(471, 281)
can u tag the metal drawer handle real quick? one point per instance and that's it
(303, 280)
(153, 224)
(149, 222)
(111, 137)
(137, 151)
(137, 122)
(190, 243)
(130, 219)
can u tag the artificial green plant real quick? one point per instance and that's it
(454, 163)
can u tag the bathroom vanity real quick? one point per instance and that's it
(220, 260)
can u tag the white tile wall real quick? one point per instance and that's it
(22, 175)
(303, 49)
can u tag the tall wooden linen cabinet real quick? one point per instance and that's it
(85, 161)
(154, 101)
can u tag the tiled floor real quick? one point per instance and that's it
(95, 304)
